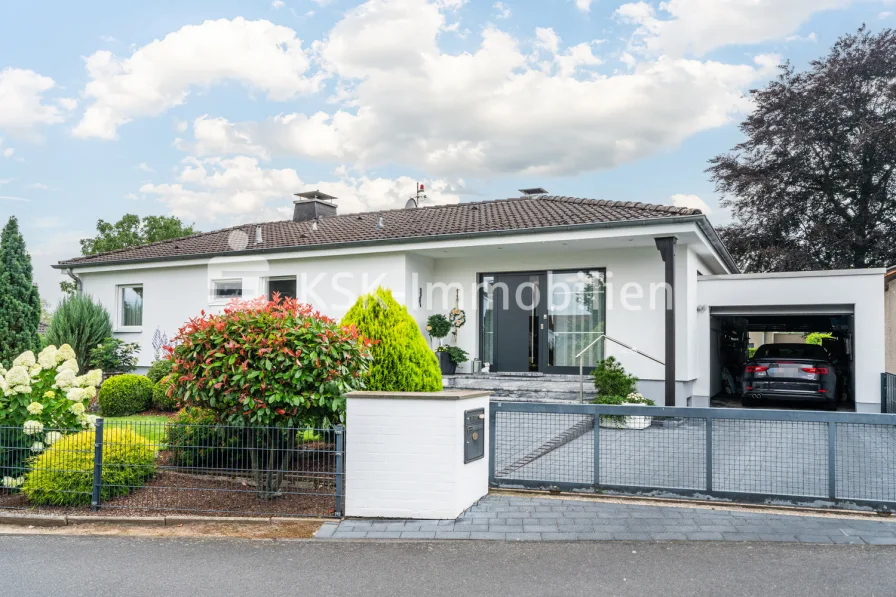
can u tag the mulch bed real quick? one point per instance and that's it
(210, 493)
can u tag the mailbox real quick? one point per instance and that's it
(474, 435)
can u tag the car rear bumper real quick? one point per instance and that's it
(813, 397)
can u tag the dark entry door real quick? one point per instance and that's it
(518, 309)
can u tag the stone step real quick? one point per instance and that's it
(526, 387)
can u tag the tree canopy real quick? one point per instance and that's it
(19, 299)
(812, 185)
(132, 231)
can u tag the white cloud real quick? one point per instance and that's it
(39, 186)
(699, 26)
(21, 101)
(812, 37)
(107, 38)
(584, 5)
(497, 109)
(884, 15)
(237, 189)
(262, 56)
(7, 153)
(504, 11)
(8, 198)
(145, 167)
(4, 181)
(690, 201)
(278, 4)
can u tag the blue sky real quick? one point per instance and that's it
(218, 111)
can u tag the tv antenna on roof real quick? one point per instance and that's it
(415, 201)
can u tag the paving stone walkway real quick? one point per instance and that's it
(512, 518)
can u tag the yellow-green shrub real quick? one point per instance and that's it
(63, 474)
(402, 360)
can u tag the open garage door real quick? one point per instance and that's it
(736, 332)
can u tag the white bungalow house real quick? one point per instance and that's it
(540, 278)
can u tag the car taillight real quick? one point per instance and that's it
(817, 370)
(756, 368)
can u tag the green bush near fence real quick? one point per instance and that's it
(124, 395)
(196, 439)
(62, 475)
(160, 396)
(158, 370)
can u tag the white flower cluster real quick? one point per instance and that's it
(12, 482)
(32, 427)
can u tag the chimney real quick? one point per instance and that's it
(313, 205)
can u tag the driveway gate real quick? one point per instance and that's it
(848, 459)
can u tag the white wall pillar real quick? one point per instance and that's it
(405, 454)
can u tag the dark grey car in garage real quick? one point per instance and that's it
(791, 372)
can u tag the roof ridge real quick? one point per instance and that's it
(630, 204)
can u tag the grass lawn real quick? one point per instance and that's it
(152, 427)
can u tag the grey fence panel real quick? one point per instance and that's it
(158, 467)
(804, 456)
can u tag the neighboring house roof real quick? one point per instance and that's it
(484, 218)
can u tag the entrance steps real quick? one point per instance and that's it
(525, 387)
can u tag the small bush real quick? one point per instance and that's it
(82, 323)
(160, 399)
(158, 370)
(196, 439)
(115, 356)
(124, 395)
(610, 379)
(63, 474)
(402, 360)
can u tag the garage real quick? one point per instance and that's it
(737, 333)
(740, 312)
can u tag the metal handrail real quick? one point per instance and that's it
(595, 341)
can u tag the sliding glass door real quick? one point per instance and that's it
(576, 318)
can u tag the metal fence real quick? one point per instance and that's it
(844, 459)
(154, 467)
(888, 392)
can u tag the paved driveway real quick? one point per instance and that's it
(761, 457)
(512, 518)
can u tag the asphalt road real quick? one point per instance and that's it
(137, 567)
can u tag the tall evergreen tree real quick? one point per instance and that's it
(19, 299)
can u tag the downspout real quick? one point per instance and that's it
(79, 285)
(666, 246)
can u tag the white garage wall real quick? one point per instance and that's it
(863, 289)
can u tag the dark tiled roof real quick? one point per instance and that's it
(478, 218)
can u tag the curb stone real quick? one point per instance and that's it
(122, 520)
(34, 521)
(44, 520)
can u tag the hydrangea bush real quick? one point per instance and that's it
(41, 398)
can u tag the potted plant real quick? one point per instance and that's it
(438, 327)
(622, 421)
(615, 386)
(454, 357)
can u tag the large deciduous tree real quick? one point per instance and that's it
(19, 299)
(812, 186)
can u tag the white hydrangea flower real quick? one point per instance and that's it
(21, 390)
(32, 427)
(90, 391)
(88, 421)
(11, 482)
(52, 437)
(37, 447)
(94, 377)
(35, 371)
(18, 376)
(26, 360)
(65, 353)
(65, 379)
(76, 394)
(77, 408)
(3, 386)
(35, 408)
(47, 357)
(70, 365)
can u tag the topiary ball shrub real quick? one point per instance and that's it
(158, 370)
(402, 360)
(124, 395)
(160, 396)
(62, 475)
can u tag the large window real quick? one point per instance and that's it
(130, 313)
(285, 287)
(225, 290)
(576, 316)
(487, 315)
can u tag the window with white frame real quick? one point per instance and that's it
(225, 290)
(130, 305)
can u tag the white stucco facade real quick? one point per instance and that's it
(430, 275)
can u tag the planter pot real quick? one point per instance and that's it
(446, 364)
(620, 422)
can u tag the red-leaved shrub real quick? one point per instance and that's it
(268, 363)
